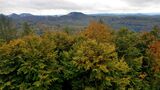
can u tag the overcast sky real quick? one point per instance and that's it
(57, 7)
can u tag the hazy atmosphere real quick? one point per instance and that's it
(52, 7)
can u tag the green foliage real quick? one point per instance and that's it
(156, 32)
(95, 59)
(126, 42)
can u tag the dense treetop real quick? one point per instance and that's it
(96, 58)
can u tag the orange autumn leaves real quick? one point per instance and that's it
(155, 52)
(98, 31)
(155, 47)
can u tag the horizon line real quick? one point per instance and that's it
(114, 13)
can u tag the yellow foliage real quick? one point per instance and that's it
(91, 54)
(122, 66)
(142, 75)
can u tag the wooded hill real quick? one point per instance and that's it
(76, 20)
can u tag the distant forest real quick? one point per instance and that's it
(78, 20)
(63, 53)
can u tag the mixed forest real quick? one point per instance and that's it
(95, 58)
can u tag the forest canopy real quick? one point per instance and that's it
(96, 58)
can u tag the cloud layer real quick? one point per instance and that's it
(50, 7)
(140, 3)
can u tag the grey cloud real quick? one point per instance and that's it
(55, 4)
(38, 6)
(41, 4)
(141, 3)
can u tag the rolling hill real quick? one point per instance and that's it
(136, 22)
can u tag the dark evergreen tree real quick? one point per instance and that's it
(7, 29)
